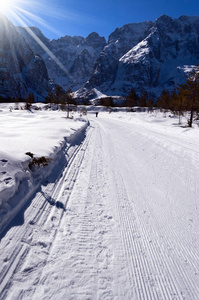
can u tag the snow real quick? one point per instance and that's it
(186, 68)
(118, 221)
(137, 53)
(40, 132)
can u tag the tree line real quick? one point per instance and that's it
(60, 97)
(185, 98)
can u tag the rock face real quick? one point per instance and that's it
(158, 62)
(21, 71)
(119, 43)
(148, 56)
(69, 60)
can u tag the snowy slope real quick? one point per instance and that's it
(119, 43)
(147, 56)
(127, 227)
(157, 62)
(42, 133)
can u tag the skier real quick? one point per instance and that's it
(96, 114)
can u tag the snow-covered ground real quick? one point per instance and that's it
(39, 132)
(118, 220)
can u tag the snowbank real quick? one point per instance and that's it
(41, 133)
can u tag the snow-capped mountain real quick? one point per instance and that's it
(119, 43)
(76, 55)
(158, 62)
(151, 56)
(148, 56)
(21, 71)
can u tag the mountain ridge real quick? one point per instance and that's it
(148, 56)
(21, 71)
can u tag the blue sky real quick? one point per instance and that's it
(81, 17)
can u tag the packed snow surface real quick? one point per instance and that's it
(38, 132)
(118, 220)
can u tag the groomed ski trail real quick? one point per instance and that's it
(120, 229)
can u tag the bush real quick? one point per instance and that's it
(40, 161)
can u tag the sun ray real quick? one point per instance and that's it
(18, 10)
(36, 19)
(20, 18)
(19, 92)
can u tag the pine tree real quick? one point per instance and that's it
(57, 95)
(178, 102)
(189, 93)
(29, 101)
(131, 99)
(50, 97)
(192, 87)
(67, 99)
(149, 104)
(143, 99)
(164, 101)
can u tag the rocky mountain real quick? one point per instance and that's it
(119, 43)
(159, 61)
(148, 56)
(21, 71)
(70, 61)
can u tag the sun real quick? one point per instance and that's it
(7, 5)
(26, 13)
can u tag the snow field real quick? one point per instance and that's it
(119, 221)
(43, 133)
(165, 205)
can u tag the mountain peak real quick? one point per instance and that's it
(95, 40)
(93, 35)
(164, 18)
(130, 31)
(146, 55)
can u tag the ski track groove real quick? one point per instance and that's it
(132, 249)
(42, 218)
(151, 276)
(172, 168)
(168, 280)
(142, 292)
(88, 227)
(186, 253)
(116, 252)
(66, 183)
(16, 261)
(83, 241)
(193, 289)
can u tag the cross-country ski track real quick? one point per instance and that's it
(120, 221)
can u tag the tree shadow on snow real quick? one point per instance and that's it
(60, 204)
(19, 219)
(52, 201)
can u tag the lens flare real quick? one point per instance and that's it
(7, 5)
(24, 13)
(4, 6)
